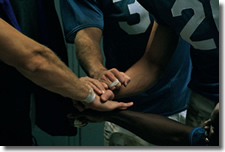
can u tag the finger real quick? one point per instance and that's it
(83, 78)
(121, 76)
(112, 105)
(207, 123)
(113, 82)
(96, 89)
(207, 141)
(126, 79)
(108, 95)
(104, 84)
(118, 75)
(99, 85)
(105, 79)
(123, 105)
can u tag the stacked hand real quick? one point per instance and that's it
(103, 88)
(114, 78)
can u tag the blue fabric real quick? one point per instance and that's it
(8, 11)
(14, 109)
(197, 137)
(125, 34)
(197, 23)
(51, 109)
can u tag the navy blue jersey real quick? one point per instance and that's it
(126, 28)
(7, 13)
(16, 89)
(197, 22)
(197, 137)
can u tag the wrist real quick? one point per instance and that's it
(96, 74)
(90, 98)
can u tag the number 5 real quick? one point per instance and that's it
(142, 26)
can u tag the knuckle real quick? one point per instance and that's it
(108, 74)
(114, 70)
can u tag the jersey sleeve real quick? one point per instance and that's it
(79, 14)
(197, 137)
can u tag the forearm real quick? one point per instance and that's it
(88, 51)
(150, 68)
(38, 63)
(155, 129)
(52, 74)
(143, 75)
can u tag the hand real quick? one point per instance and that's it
(88, 116)
(96, 85)
(207, 127)
(114, 78)
(99, 105)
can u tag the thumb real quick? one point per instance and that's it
(123, 105)
(120, 105)
(108, 95)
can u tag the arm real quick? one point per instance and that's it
(39, 64)
(153, 128)
(158, 129)
(87, 42)
(148, 70)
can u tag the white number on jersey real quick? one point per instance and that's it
(144, 23)
(195, 21)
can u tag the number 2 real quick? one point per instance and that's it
(194, 22)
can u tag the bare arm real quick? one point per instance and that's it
(158, 129)
(153, 128)
(149, 69)
(87, 43)
(39, 64)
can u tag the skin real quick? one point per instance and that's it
(146, 72)
(153, 128)
(212, 128)
(154, 61)
(39, 64)
(143, 75)
(88, 52)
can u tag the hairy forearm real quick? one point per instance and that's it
(88, 51)
(53, 75)
(153, 128)
(38, 63)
